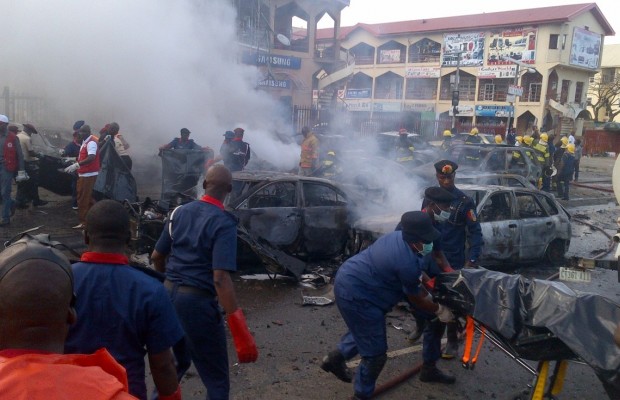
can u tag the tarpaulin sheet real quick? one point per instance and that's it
(115, 180)
(181, 170)
(539, 319)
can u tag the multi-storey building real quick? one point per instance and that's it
(531, 65)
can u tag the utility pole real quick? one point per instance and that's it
(455, 91)
(517, 92)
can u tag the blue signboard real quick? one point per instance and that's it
(273, 60)
(493, 111)
(274, 83)
(358, 93)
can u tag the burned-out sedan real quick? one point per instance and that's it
(519, 225)
(303, 216)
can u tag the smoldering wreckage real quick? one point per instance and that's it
(304, 227)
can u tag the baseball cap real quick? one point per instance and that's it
(4, 118)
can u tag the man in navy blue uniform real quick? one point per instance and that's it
(184, 142)
(200, 242)
(368, 285)
(121, 308)
(461, 228)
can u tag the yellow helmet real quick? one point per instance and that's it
(474, 131)
(570, 148)
(447, 133)
(331, 153)
(564, 140)
(544, 137)
(519, 139)
(528, 139)
(498, 139)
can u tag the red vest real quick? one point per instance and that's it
(93, 166)
(10, 152)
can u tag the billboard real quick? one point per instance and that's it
(518, 44)
(422, 72)
(389, 56)
(586, 49)
(469, 47)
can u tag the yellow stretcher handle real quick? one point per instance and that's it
(558, 377)
(541, 380)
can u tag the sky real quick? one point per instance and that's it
(375, 11)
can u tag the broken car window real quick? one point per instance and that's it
(529, 207)
(317, 195)
(277, 194)
(497, 208)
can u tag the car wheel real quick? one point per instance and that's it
(555, 252)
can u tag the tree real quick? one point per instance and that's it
(605, 94)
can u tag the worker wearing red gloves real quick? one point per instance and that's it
(200, 242)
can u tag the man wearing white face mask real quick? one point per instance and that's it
(367, 286)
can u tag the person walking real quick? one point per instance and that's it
(87, 167)
(367, 286)
(11, 162)
(309, 160)
(28, 191)
(197, 251)
(122, 308)
(566, 171)
(35, 315)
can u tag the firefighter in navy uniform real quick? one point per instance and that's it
(461, 243)
(473, 137)
(447, 140)
(404, 148)
(330, 166)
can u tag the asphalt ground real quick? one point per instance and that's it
(292, 338)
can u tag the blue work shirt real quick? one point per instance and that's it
(204, 237)
(124, 310)
(381, 273)
(177, 143)
(461, 226)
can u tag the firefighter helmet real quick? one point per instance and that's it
(498, 139)
(447, 133)
(474, 131)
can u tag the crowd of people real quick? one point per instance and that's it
(101, 312)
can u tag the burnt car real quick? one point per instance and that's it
(474, 178)
(49, 144)
(304, 217)
(519, 226)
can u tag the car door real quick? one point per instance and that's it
(325, 219)
(536, 226)
(500, 229)
(273, 213)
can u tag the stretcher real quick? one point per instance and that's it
(535, 320)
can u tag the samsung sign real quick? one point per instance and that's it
(273, 83)
(272, 60)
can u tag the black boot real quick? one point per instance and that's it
(334, 362)
(420, 324)
(430, 373)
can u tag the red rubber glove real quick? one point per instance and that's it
(244, 341)
(174, 396)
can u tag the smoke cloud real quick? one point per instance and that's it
(153, 66)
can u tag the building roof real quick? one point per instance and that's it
(611, 56)
(484, 21)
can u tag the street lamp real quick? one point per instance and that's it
(529, 69)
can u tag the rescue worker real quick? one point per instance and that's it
(461, 243)
(518, 140)
(367, 286)
(184, 142)
(578, 154)
(557, 158)
(240, 151)
(499, 139)
(566, 171)
(535, 133)
(72, 149)
(541, 149)
(11, 162)
(473, 137)
(225, 151)
(447, 140)
(28, 191)
(309, 159)
(437, 200)
(403, 153)
(528, 141)
(511, 137)
(120, 144)
(36, 310)
(330, 166)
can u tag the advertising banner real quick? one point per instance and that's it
(274, 83)
(586, 49)
(359, 93)
(422, 72)
(419, 107)
(358, 105)
(389, 56)
(518, 44)
(386, 107)
(470, 45)
(463, 111)
(273, 60)
(493, 111)
(497, 71)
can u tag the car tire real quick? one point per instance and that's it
(555, 252)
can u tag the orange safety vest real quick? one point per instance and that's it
(34, 376)
(309, 151)
(93, 166)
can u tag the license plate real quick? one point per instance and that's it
(575, 275)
